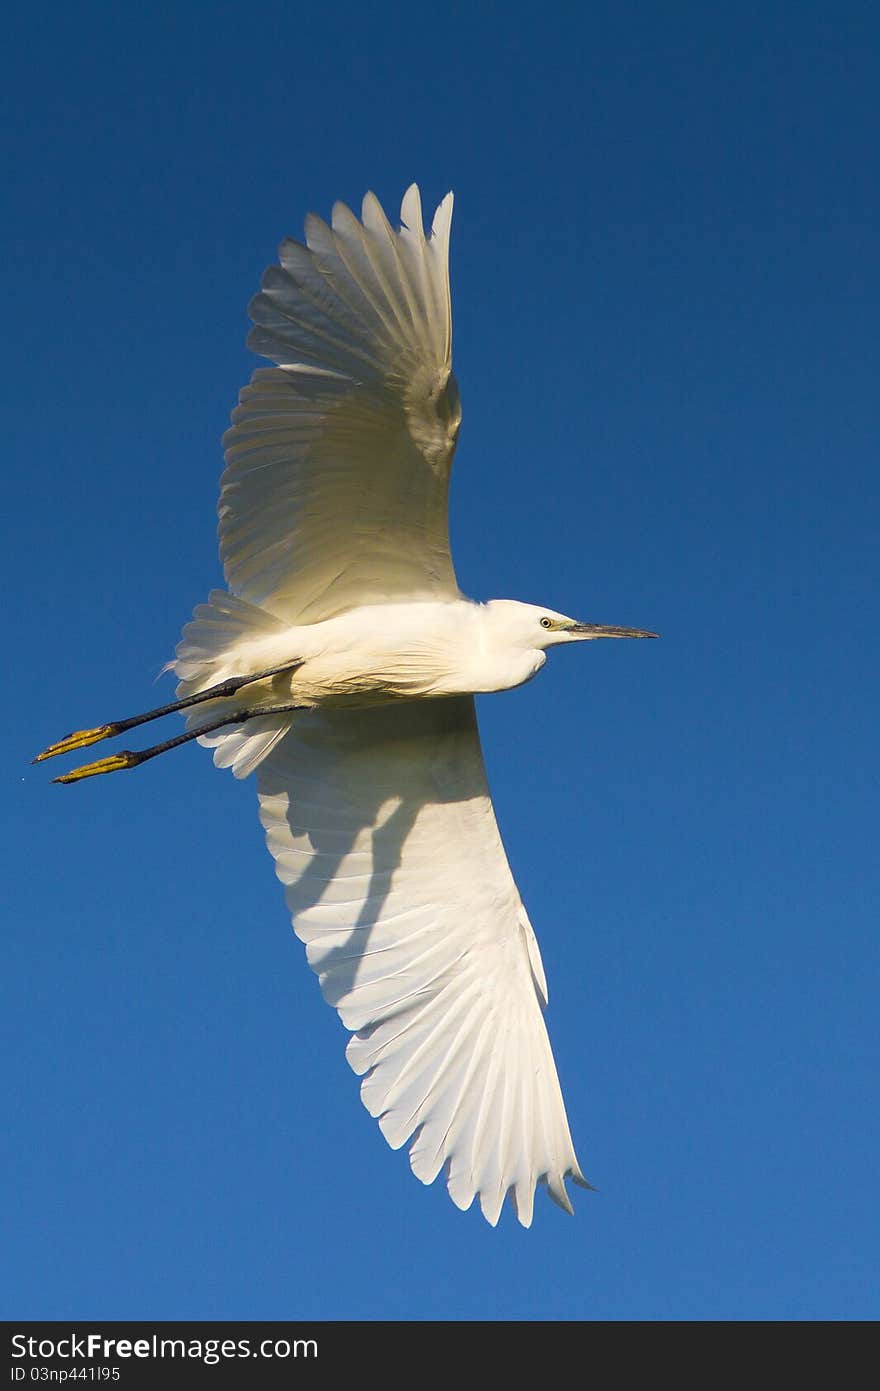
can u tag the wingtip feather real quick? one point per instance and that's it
(411, 211)
(373, 215)
(443, 219)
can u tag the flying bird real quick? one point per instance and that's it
(341, 666)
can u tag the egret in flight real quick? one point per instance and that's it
(342, 665)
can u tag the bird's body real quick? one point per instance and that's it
(341, 666)
(386, 652)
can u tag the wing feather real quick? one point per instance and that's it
(338, 459)
(383, 833)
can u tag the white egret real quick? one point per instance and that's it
(342, 666)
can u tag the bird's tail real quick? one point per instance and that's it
(210, 651)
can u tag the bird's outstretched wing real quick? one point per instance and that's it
(335, 490)
(383, 832)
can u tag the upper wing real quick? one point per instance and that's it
(382, 830)
(338, 460)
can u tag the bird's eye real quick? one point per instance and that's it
(546, 622)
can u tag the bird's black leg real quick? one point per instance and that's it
(81, 738)
(129, 759)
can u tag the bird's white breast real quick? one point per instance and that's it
(404, 651)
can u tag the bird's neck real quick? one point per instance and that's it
(501, 659)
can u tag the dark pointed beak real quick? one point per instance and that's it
(603, 630)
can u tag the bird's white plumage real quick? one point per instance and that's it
(383, 833)
(380, 822)
(229, 625)
(338, 460)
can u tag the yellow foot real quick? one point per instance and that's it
(101, 765)
(79, 739)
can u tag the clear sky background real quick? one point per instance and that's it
(665, 297)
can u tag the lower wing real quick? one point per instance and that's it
(383, 833)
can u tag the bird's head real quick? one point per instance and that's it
(531, 626)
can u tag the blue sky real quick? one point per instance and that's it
(665, 297)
